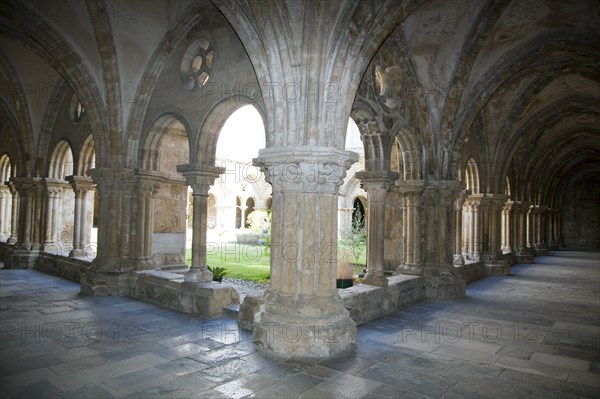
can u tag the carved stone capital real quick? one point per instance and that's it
(304, 169)
(200, 177)
(377, 183)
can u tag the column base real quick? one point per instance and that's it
(77, 253)
(21, 259)
(375, 278)
(12, 240)
(104, 283)
(198, 275)
(541, 250)
(412, 269)
(497, 267)
(524, 256)
(458, 260)
(311, 328)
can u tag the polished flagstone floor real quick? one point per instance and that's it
(535, 333)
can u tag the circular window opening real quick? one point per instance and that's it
(76, 110)
(197, 64)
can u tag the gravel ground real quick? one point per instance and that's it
(245, 287)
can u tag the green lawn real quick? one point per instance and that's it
(247, 262)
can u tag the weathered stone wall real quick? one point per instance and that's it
(67, 268)
(393, 245)
(581, 213)
(169, 208)
(169, 290)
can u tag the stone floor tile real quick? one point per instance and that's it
(590, 379)
(467, 354)
(532, 367)
(95, 391)
(28, 364)
(138, 379)
(348, 386)
(230, 370)
(322, 372)
(139, 362)
(561, 361)
(514, 351)
(410, 380)
(384, 391)
(291, 387)
(182, 366)
(39, 389)
(518, 389)
(180, 351)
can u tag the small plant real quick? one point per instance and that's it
(355, 237)
(217, 272)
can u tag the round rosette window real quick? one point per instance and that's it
(197, 64)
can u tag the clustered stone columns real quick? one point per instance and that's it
(147, 186)
(377, 184)
(552, 229)
(430, 226)
(81, 186)
(507, 227)
(524, 253)
(5, 213)
(200, 178)
(304, 315)
(53, 190)
(493, 260)
(109, 271)
(26, 188)
(472, 228)
(14, 217)
(458, 228)
(412, 192)
(539, 215)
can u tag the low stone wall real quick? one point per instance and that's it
(364, 302)
(170, 290)
(471, 271)
(368, 302)
(5, 250)
(61, 266)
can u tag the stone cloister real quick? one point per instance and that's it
(479, 123)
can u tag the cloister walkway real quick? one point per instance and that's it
(535, 333)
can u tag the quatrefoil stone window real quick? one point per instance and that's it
(197, 64)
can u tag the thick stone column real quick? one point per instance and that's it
(5, 213)
(200, 178)
(473, 228)
(377, 184)
(304, 315)
(458, 259)
(109, 271)
(81, 186)
(540, 230)
(493, 261)
(507, 227)
(53, 192)
(430, 232)
(524, 253)
(412, 192)
(146, 187)
(14, 217)
(551, 229)
(26, 249)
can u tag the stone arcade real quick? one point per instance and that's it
(479, 121)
